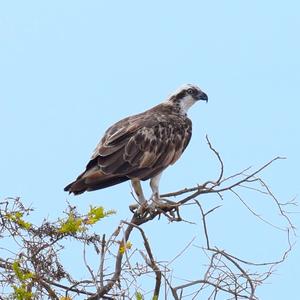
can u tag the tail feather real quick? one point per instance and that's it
(90, 181)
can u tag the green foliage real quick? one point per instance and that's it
(20, 274)
(139, 296)
(21, 293)
(22, 282)
(123, 247)
(16, 217)
(97, 213)
(73, 224)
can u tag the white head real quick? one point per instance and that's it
(186, 96)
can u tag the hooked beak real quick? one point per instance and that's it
(202, 96)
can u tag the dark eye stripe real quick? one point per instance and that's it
(183, 93)
(191, 91)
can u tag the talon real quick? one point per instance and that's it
(133, 207)
(139, 209)
(156, 205)
(152, 207)
(162, 202)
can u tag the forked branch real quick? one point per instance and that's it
(35, 266)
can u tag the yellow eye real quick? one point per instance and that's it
(190, 91)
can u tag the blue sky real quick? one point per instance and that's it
(69, 69)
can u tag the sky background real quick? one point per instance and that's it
(69, 69)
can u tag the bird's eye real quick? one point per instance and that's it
(190, 91)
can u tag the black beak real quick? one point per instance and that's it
(202, 96)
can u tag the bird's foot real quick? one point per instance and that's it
(144, 209)
(140, 209)
(153, 206)
(163, 201)
(159, 205)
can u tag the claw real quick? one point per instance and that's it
(139, 209)
(156, 205)
(161, 201)
(133, 207)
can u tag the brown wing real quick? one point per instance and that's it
(140, 146)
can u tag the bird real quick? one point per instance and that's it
(141, 146)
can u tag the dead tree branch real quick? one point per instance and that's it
(33, 266)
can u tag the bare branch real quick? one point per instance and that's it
(35, 264)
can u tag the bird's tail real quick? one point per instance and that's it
(93, 180)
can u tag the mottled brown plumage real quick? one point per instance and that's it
(140, 146)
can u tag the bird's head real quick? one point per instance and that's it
(186, 96)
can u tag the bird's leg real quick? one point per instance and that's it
(154, 183)
(136, 183)
(141, 207)
(156, 199)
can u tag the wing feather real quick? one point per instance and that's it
(143, 143)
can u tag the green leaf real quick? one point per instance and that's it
(16, 217)
(17, 270)
(21, 275)
(21, 293)
(72, 225)
(139, 296)
(123, 248)
(97, 213)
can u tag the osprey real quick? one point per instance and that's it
(142, 146)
